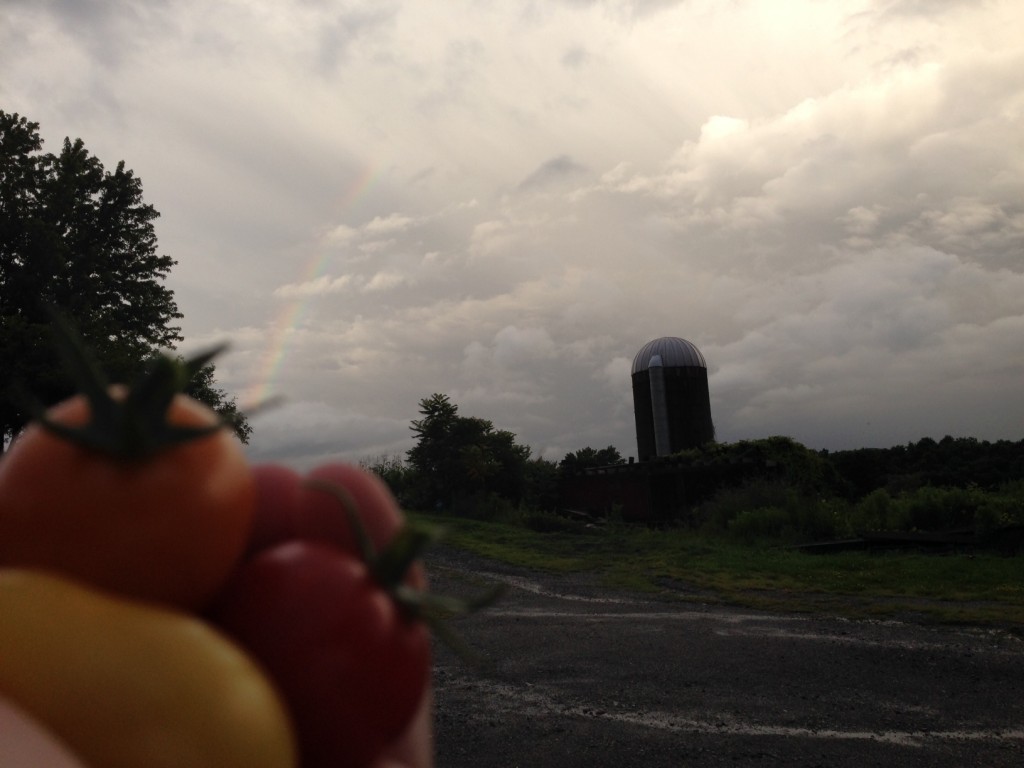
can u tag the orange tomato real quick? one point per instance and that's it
(168, 528)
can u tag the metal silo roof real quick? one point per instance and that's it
(674, 353)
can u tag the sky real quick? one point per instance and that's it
(378, 200)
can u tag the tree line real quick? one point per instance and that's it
(772, 488)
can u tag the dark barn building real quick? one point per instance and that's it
(655, 491)
(671, 403)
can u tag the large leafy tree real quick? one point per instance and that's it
(80, 239)
(458, 457)
(435, 464)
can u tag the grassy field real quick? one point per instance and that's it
(977, 589)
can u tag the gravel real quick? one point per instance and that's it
(574, 674)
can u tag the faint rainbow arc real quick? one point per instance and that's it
(290, 316)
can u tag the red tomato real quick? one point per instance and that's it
(290, 507)
(275, 517)
(351, 665)
(370, 495)
(168, 528)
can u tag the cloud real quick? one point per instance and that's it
(317, 287)
(511, 348)
(383, 281)
(304, 434)
(506, 201)
(340, 235)
(557, 169)
(898, 312)
(394, 222)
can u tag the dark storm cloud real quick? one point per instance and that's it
(558, 169)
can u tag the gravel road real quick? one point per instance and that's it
(577, 675)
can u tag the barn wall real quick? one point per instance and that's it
(655, 491)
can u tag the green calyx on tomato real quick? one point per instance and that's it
(134, 426)
(390, 566)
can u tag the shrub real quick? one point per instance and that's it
(548, 522)
(878, 511)
(762, 523)
(939, 509)
(717, 514)
(489, 507)
(996, 512)
(816, 519)
(772, 509)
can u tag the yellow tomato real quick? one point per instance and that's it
(127, 684)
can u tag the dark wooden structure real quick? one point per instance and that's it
(653, 491)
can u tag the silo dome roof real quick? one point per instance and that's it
(673, 351)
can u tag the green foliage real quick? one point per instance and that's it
(79, 238)
(1000, 510)
(462, 461)
(488, 506)
(878, 511)
(548, 522)
(959, 462)
(588, 457)
(777, 490)
(763, 523)
(203, 388)
(939, 509)
(979, 588)
(996, 512)
(392, 469)
(771, 490)
(541, 487)
(717, 514)
(718, 467)
(775, 511)
(771, 510)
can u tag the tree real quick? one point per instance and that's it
(435, 465)
(459, 457)
(391, 468)
(588, 457)
(541, 486)
(203, 388)
(79, 239)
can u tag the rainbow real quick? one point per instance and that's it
(293, 312)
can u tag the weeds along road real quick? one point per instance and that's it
(580, 676)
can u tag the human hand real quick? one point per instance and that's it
(415, 749)
(27, 743)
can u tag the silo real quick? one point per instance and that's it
(671, 403)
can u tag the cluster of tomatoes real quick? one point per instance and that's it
(182, 607)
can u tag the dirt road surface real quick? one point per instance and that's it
(581, 676)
